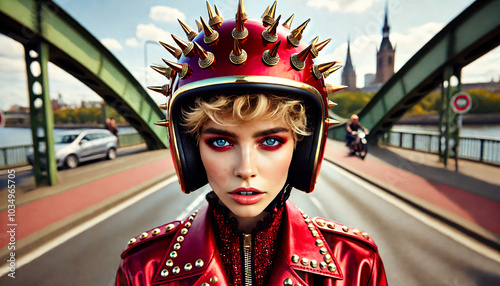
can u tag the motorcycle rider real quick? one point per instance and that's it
(352, 127)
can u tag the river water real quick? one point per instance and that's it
(13, 136)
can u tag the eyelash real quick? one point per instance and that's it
(211, 142)
(279, 142)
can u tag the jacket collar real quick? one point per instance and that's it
(193, 252)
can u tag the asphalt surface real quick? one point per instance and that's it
(413, 252)
(467, 200)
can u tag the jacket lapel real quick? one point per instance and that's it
(303, 248)
(192, 253)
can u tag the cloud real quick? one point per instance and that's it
(484, 69)
(364, 50)
(152, 33)
(345, 6)
(166, 14)
(10, 47)
(131, 42)
(112, 44)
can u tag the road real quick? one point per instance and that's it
(414, 253)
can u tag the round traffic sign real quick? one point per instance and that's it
(461, 102)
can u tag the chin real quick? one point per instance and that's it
(247, 211)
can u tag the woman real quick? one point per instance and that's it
(247, 114)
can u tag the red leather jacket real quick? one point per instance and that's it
(313, 252)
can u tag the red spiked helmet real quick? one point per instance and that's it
(244, 56)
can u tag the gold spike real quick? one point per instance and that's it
(298, 60)
(214, 19)
(288, 22)
(163, 122)
(268, 18)
(330, 122)
(173, 50)
(218, 13)
(296, 35)
(156, 88)
(331, 104)
(315, 40)
(238, 55)
(304, 53)
(269, 34)
(211, 35)
(163, 106)
(314, 52)
(200, 27)
(166, 71)
(241, 12)
(271, 57)
(184, 70)
(331, 70)
(263, 15)
(321, 45)
(189, 32)
(164, 89)
(333, 88)
(319, 69)
(187, 48)
(326, 66)
(206, 58)
(240, 32)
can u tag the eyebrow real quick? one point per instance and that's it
(216, 131)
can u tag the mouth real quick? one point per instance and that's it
(246, 196)
(246, 191)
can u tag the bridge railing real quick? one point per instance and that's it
(15, 156)
(475, 148)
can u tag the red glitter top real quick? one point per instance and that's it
(265, 242)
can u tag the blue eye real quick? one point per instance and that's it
(270, 142)
(221, 142)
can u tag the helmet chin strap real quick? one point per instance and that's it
(280, 199)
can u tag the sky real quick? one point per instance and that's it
(130, 29)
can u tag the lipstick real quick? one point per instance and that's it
(246, 196)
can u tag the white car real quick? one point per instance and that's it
(76, 146)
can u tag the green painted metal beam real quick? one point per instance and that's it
(41, 116)
(75, 50)
(470, 35)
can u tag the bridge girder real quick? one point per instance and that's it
(75, 50)
(470, 35)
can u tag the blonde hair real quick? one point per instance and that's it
(234, 109)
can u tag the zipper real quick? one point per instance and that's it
(247, 257)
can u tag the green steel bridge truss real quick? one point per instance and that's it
(48, 33)
(470, 35)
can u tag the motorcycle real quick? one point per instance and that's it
(360, 146)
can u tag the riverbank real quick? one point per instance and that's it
(67, 125)
(467, 119)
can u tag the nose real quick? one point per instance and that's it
(246, 167)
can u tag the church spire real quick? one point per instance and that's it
(348, 61)
(348, 73)
(386, 28)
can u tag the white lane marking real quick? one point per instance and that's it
(56, 241)
(434, 223)
(318, 205)
(195, 204)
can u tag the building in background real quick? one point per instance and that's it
(348, 73)
(385, 55)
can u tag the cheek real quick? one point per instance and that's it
(217, 173)
(277, 165)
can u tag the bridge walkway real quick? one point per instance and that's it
(468, 200)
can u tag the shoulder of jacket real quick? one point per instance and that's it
(336, 228)
(152, 235)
